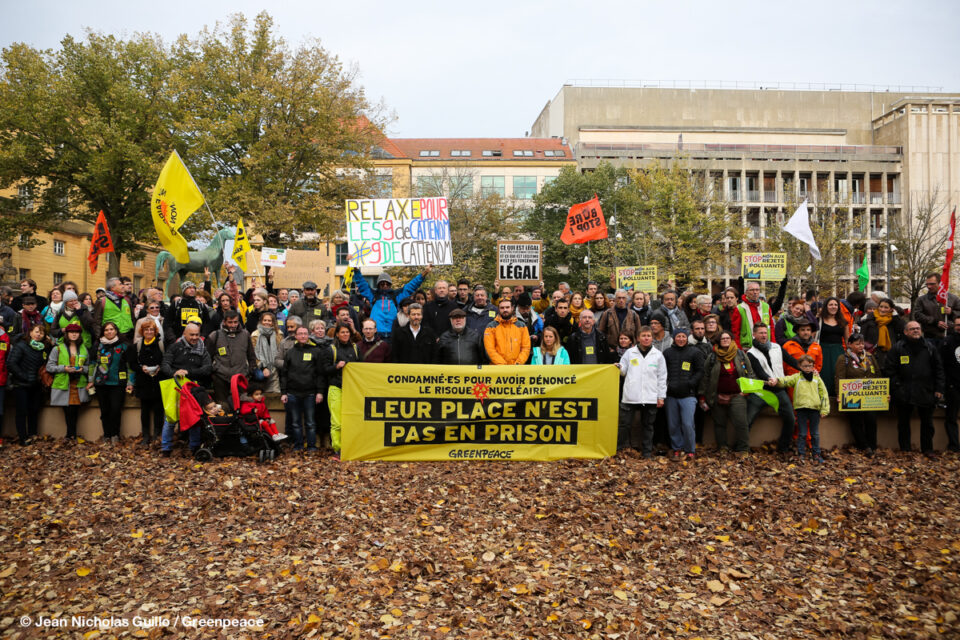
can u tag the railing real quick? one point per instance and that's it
(755, 233)
(745, 85)
(893, 198)
(877, 267)
(876, 198)
(877, 233)
(753, 196)
(856, 232)
(592, 148)
(769, 196)
(734, 196)
(858, 198)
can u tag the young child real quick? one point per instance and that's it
(207, 404)
(256, 404)
(811, 401)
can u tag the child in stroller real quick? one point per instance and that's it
(253, 402)
(228, 435)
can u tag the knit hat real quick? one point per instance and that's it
(524, 300)
(682, 330)
(186, 284)
(73, 326)
(69, 295)
(384, 277)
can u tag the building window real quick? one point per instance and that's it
(524, 187)
(26, 198)
(461, 186)
(492, 185)
(492, 153)
(138, 263)
(460, 153)
(429, 187)
(24, 274)
(59, 248)
(58, 278)
(522, 153)
(432, 153)
(342, 252)
(137, 284)
(559, 154)
(549, 180)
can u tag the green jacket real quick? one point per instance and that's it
(61, 379)
(808, 395)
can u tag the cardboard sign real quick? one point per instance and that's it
(865, 394)
(398, 232)
(638, 278)
(519, 263)
(764, 266)
(273, 257)
(301, 265)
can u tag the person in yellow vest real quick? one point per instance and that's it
(69, 362)
(114, 307)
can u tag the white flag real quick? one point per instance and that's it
(799, 227)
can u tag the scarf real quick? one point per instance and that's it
(854, 359)
(883, 332)
(266, 348)
(36, 344)
(402, 319)
(52, 310)
(196, 349)
(115, 299)
(754, 309)
(29, 319)
(763, 348)
(726, 356)
(151, 340)
(575, 312)
(105, 340)
(807, 376)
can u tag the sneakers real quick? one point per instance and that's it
(691, 457)
(335, 457)
(278, 437)
(677, 456)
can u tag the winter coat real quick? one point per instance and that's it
(845, 370)
(711, 376)
(436, 314)
(929, 311)
(644, 376)
(575, 348)
(796, 351)
(950, 357)
(684, 370)
(111, 364)
(180, 355)
(479, 317)
(609, 325)
(507, 341)
(915, 373)
(562, 356)
(24, 362)
(145, 386)
(808, 394)
(4, 354)
(376, 351)
(60, 392)
(230, 353)
(339, 353)
(420, 350)
(307, 310)
(460, 348)
(871, 330)
(304, 370)
(383, 304)
(564, 326)
(178, 314)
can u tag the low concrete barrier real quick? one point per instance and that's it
(834, 429)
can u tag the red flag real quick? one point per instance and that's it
(584, 223)
(945, 278)
(100, 243)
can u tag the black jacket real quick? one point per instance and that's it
(478, 319)
(304, 369)
(421, 350)
(564, 326)
(605, 353)
(177, 315)
(915, 372)
(950, 357)
(179, 356)
(24, 362)
(684, 370)
(460, 348)
(340, 353)
(139, 355)
(436, 314)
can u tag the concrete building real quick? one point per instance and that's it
(870, 155)
(512, 168)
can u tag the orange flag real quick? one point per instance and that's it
(100, 243)
(584, 223)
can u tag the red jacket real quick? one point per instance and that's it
(259, 409)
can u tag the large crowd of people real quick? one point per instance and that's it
(682, 355)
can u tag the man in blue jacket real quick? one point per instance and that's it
(383, 301)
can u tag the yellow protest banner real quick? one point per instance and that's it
(865, 394)
(638, 278)
(438, 412)
(241, 246)
(763, 266)
(175, 198)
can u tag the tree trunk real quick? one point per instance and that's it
(113, 269)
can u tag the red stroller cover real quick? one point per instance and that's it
(191, 412)
(238, 385)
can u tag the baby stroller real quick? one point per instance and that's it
(220, 436)
(267, 448)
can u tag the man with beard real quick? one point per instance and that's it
(309, 306)
(480, 312)
(916, 382)
(231, 352)
(461, 344)
(589, 346)
(414, 343)
(436, 313)
(561, 319)
(802, 345)
(506, 339)
(767, 360)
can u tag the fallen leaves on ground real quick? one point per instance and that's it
(721, 548)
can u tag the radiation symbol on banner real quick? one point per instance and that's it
(481, 391)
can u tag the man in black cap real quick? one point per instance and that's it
(309, 305)
(461, 344)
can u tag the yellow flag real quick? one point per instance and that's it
(175, 198)
(348, 277)
(241, 244)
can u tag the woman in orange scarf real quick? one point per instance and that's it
(882, 328)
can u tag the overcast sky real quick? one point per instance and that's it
(450, 69)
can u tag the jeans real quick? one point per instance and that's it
(950, 421)
(735, 412)
(755, 405)
(169, 431)
(301, 409)
(808, 419)
(333, 401)
(151, 418)
(29, 401)
(111, 398)
(641, 438)
(680, 419)
(904, 410)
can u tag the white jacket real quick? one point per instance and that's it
(772, 369)
(645, 378)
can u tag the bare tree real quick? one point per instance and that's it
(918, 236)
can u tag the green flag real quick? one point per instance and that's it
(863, 273)
(750, 385)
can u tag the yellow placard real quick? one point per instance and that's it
(685, 366)
(865, 394)
(436, 412)
(763, 266)
(638, 278)
(222, 351)
(904, 359)
(186, 313)
(307, 357)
